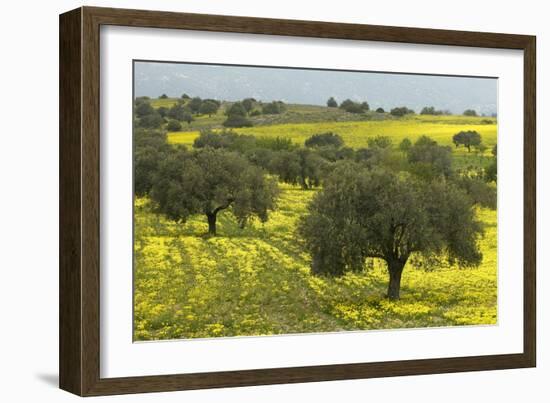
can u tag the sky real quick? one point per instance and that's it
(314, 87)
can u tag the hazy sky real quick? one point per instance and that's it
(316, 86)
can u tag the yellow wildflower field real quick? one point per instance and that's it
(356, 133)
(256, 281)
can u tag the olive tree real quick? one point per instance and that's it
(468, 139)
(331, 103)
(401, 111)
(427, 159)
(210, 181)
(324, 139)
(209, 107)
(354, 107)
(405, 145)
(195, 104)
(150, 147)
(301, 166)
(363, 213)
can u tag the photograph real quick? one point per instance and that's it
(275, 200)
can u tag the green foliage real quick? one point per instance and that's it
(177, 112)
(380, 110)
(185, 96)
(225, 139)
(273, 108)
(430, 110)
(163, 96)
(209, 107)
(405, 145)
(276, 143)
(401, 111)
(248, 104)
(468, 139)
(491, 171)
(470, 112)
(362, 214)
(187, 117)
(194, 105)
(379, 142)
(142, 107)
(162, 111)
(331, 103)
(210, 181)
(236, 109)
(173, 126)
(479, 191)
(428, 159)
(300, 167)
(333, 154)
(237, 121)
(151, 121)
(327, 139)
(150, 147)
(354, 107)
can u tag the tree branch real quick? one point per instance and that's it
(223, 206)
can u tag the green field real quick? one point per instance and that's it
(257, 281)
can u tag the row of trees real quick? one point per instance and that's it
(207, 181)
(182, 111)
(238, 113)
(380, 201)
(360, 107)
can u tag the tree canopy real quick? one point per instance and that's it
(195, 105)
(468, 139)
(354, 107)
(324, 139)
(150, 147)
(428, 159)
(331, 103)
(363, 213)
(210, 181)
(273, 108)
(401, 111)
(209, 107)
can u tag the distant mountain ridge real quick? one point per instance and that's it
(303, 86)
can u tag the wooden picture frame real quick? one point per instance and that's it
(79, 346)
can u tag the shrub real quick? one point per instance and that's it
(354, 107)
(173, 126)
(331, 103)
(237, 121)
(401, 111)
(151, 121)
(273, 108)
(379, 142)
(324, 140)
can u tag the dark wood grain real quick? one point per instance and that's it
(80, 200)
(530, 202)
(70, 271)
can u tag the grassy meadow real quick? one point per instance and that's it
(257, 280)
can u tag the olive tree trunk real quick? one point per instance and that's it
(395, 269)
(211, 223)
